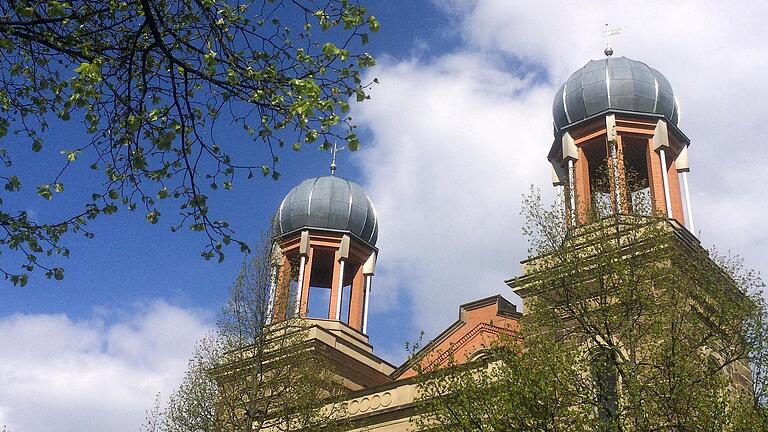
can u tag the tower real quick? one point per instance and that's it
(324, 252)
(626, 262)
(617, 146)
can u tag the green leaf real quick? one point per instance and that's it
(20, 280)
(45, 191)
(154, 114)
(244, 247)
(6, 44)
(330, 50)
(165, 140)
(89, 71)
(373, 24)
(353, 143)
(27, 12)
(311, 136)
(153, 216)
(13, 184)
(134, 123)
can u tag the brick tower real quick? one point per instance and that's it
(622, 162)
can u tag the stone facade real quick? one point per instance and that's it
(381, 396)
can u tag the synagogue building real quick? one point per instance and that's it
(612, 117)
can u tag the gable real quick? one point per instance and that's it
(479, 326)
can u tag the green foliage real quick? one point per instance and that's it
(151, 82)
(248, 375)
(510, 389)
(630, 325)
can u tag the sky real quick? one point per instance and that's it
(456, 131)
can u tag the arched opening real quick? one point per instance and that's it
(320, 283)
(635, 152)
(346, 292)
(293, 286)
(605, 379)
(596, 156)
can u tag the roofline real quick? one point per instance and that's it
(505, 306)
(330, 230)
(504, 310)
(681, 230)
(630, 112)
(556, 150)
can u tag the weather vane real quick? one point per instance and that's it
(335, 149)
(607, 33)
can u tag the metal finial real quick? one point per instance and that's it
(607, 33)
(335, 149)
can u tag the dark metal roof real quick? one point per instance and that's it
(329, 203)
(618, 84)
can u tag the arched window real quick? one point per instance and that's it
(605, 377)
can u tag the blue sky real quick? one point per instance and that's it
(130, 260)
(455, 133)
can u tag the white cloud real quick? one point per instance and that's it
(715, 58)
(456, 145)
(459, 137)
(90, 375)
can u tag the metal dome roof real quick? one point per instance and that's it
(618, 84)
(329, 203)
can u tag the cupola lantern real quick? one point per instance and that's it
(324, 239)
(617, 147)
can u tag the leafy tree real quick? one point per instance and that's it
(508, 389)
(251, 376)
(630, 326)
(153, 83)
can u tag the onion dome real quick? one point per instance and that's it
(328, 203)
(613, 84)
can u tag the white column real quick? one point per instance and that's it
(368, 279)
(271, 295)
(615, 166)
(664, 176)
(339, 291)
(300, 290)
(688, 203)
(572, 192)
